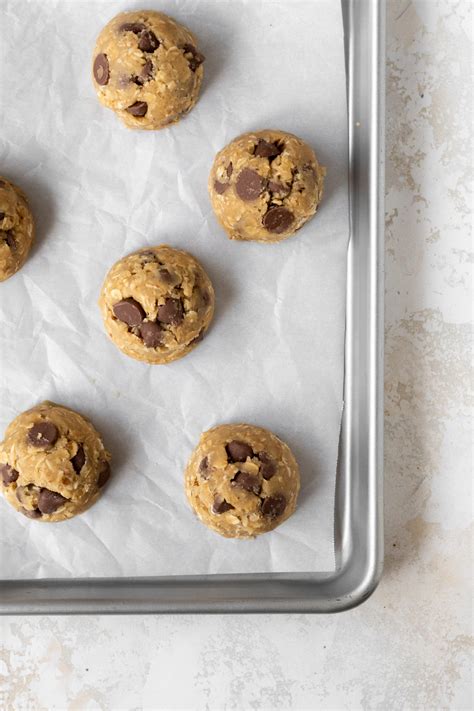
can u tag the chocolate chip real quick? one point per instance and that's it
(220, 505)
(309, 169)
(229, 169)
(145, 75)
(148, 42)
(104, 475)
(196, 58)
(129, 311)
(247, 481)
(43, 434)
(49, 501)
(198, 338)
(8, 474)
(79, 459)
(204, 468)
(279, 189)
(166, 276)
(206, 298)
(264, 149)
(238, 451)
(268, 466)
(139, 109)
(249, 184)
(171, 312)
(219, 187)
(151, 333)
(278, 220)
(135, 27)
(35, 513)
(10, 239)
(274, 506)
(101, 69)
(148, 256)
(2, 215)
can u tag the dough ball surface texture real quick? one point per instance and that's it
(264, 186)
(157, 304)
(242, 480)
(16, 229)
(53, 463)
(146, 67)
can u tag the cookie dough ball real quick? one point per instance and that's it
(242, 480)
(157, 304)
(264, 186)
(147, 68)
(16, 229)
(53, 463)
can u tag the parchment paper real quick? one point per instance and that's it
(274, 355)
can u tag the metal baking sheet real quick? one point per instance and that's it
(358, 527)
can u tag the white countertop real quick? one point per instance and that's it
(409, 646)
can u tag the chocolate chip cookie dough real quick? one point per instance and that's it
(53, 463)
(16, 229)
(157, 304)
(264, 186)
(147, 68)
(242, 480)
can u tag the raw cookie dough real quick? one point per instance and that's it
(242, 480)
(146, 68)
(264, 186)
(16, 229)
(53, 463)
(157, 304)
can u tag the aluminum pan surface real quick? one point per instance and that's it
(359, 501)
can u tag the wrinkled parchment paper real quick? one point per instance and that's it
(274, 356)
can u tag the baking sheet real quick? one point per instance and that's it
(274, 355)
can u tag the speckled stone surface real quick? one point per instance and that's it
(409, 646)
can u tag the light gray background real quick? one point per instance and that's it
(409, 646)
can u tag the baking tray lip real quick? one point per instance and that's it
(212, 594)
(360, 461)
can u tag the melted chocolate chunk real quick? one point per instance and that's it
(148, 41)
(278, 220)
(247, 481)
(274, 506)
(171, 312)
(104, 475)
(138, 109)
(31, 513)
(8, 474)
(249, 185)
(101, 69)
(238, 451)
(43, 434)
(152, 334)
(145, 75)
(267, 467)
(264, 149)
(220, 505)
(196, 58)
(129, 311)
(50, 501)
(219, 187)
(79, 459)
(135, 27)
